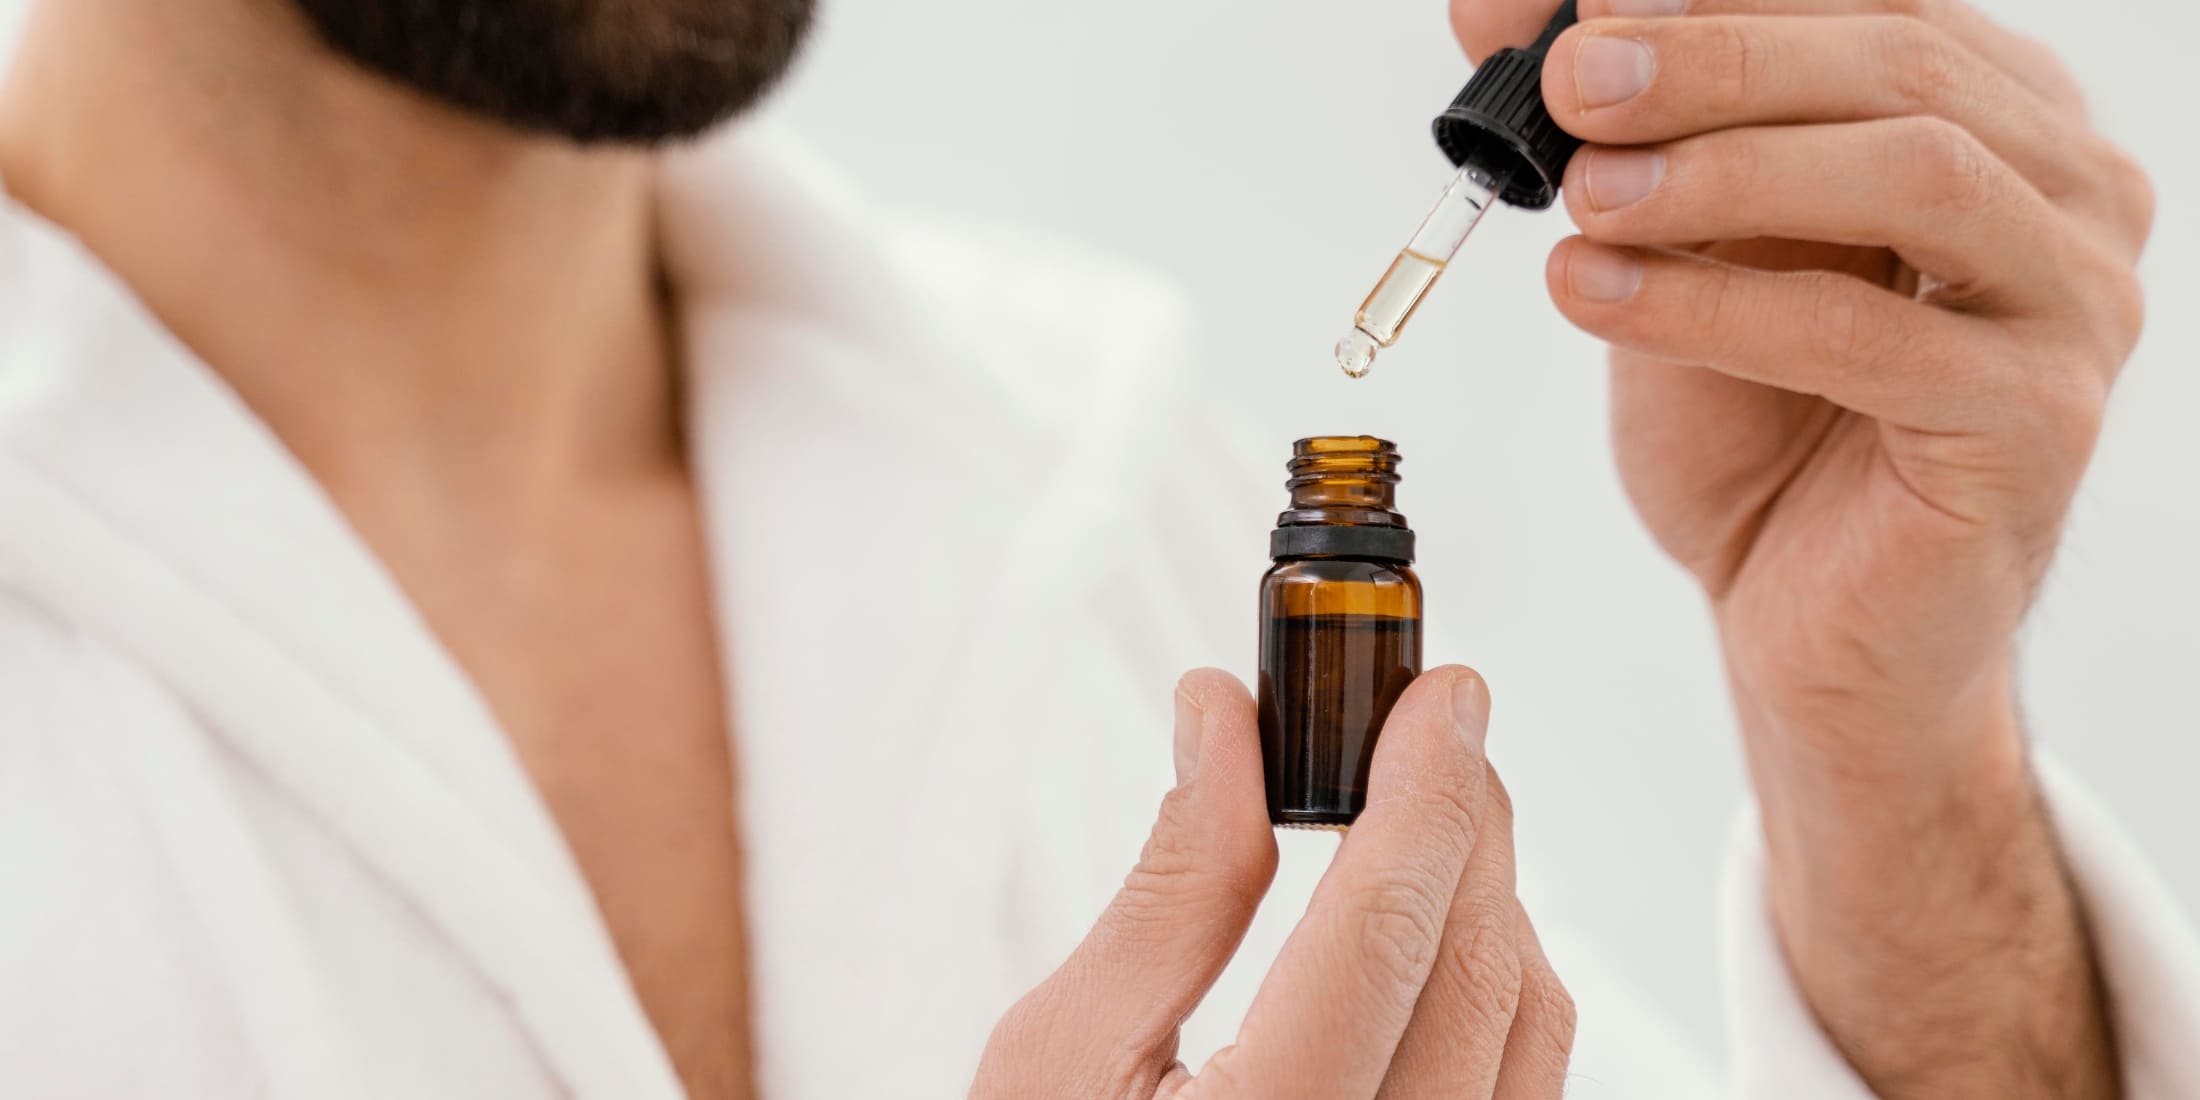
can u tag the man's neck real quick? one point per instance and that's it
(418, 302)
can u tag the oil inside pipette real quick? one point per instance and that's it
(1383, 315)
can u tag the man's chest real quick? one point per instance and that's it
(598, 655)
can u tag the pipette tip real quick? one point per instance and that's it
(1356, 353)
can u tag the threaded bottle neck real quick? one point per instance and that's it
(1347, 480)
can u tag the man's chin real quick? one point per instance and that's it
(622, 71)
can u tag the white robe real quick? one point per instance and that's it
(260, 837)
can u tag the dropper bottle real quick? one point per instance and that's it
(1500, 136)
(1340, 629)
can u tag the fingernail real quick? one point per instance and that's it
(1646, 9)
(1611, 70)
(1623, 177)
(1470, 710)
(1191, 723)
(1602, 274)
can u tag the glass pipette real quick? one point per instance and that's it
(1500, 135)
(1391, 304)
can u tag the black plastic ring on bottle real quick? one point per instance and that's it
(1342, 541)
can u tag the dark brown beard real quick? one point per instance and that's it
(631, 71)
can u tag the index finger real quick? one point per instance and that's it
(1487, 26)
(2023, 58)
(1331, 1011)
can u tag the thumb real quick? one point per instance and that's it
(1183, 910)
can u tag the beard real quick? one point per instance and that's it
(626, 71)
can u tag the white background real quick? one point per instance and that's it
(1271, 157)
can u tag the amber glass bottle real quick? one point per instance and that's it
(1340, 628)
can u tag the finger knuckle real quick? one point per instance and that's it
(2067, 406)
(1397, 932)
(1549, 1043)
(1953, 174)
(1840, 336)
(1454, 789)
(1442, 794)
(1150, 898)
(1174, 877)
(1447, 805)
(1554, 1006)
(1142, 911)
(2110, 300)
(1927, 69)
(2132, 191)
(1154, 899)
(1041, 1047)
(2119, 314)
(1739, 165)
(1927, 10)
(1702, 176)
(1018, 1040)
(1488, 968)
(1718, 304)
(1739, 59)
(1169, 850)
(2083, 411)
(2128, 311)
(2045, 64)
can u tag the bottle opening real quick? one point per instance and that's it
(1350, 480)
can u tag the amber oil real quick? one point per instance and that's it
(1340, 629)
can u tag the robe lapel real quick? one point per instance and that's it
(175, 528)
(858, 527)
(866, 537)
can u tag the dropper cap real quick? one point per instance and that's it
(1499, 124)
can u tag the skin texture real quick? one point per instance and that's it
(1868, 278)
(1415, 972)
(457, 329)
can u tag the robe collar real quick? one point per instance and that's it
(150, 507)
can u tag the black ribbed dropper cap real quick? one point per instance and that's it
(1499, 124)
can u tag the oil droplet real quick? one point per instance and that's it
(1356, 353)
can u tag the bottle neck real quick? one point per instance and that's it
(1349, 481)
(1343, 502)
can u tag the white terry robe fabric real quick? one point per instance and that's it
(260, 837)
